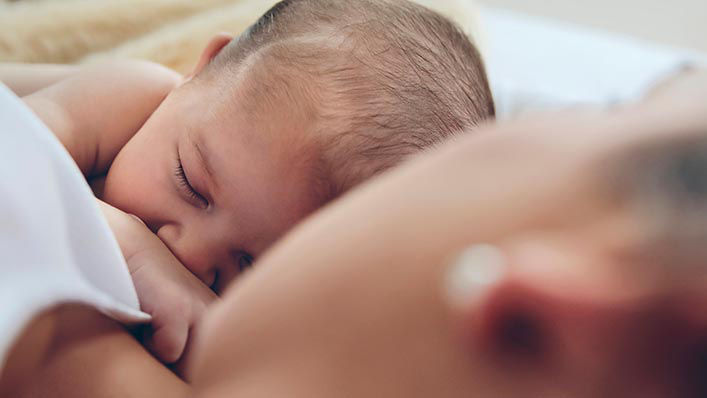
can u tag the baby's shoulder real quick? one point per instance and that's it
(95, 112)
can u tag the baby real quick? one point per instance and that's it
(316, 97)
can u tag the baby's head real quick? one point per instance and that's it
(316, 97)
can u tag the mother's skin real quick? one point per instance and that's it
(344, 307)
(593, 301)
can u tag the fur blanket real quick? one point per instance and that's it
(171, 32)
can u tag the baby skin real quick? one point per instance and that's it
(133, 132)
(192, 192)
(200, 175)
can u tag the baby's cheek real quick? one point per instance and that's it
(132, 174)
(128, 194)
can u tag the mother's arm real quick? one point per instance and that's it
(74, 351)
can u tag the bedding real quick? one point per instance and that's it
(170, 32)
(533, 63)
(537, 64)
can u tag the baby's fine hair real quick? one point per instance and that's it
(381, 79)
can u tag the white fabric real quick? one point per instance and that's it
(537, 64)
(55, 247)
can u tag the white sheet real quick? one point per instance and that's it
(54, 245)
(537, 64)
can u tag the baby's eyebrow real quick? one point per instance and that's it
(204, 160)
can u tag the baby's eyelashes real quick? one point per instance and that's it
(187, 188)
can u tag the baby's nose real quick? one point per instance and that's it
(193, 254)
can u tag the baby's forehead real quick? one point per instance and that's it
(271, 106)
(269, 103)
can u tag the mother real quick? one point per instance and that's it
(582, 275)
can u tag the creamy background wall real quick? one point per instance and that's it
(680, 23)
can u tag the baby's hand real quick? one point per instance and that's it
(174, 297)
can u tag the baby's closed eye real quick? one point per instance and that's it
(187, 189)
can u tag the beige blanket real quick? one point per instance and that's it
(171, 32)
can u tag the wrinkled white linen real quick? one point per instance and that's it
(55, 247)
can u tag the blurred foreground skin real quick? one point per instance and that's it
(578, 289)
(584, 293)
(74, 351)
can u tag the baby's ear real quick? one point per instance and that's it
(216, 44)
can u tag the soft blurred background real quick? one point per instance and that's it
(173, 31)
(540, 54)
(680, 23)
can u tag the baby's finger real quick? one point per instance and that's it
(180, 367)
(167, 338)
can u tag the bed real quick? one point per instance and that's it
(533, 63)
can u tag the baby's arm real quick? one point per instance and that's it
(98, 109)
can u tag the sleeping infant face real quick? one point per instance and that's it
(315, 98)
(217, 182)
